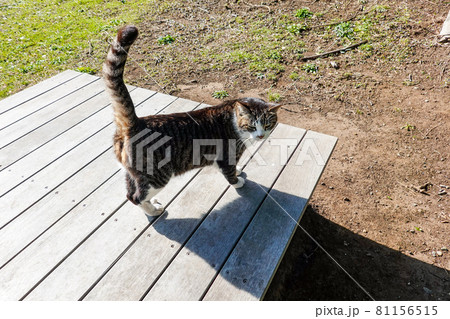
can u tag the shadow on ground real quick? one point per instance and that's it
(307, 273)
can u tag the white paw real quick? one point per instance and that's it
(152, 209)
(240, 183)
(238, 170)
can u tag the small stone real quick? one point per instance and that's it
(412, 231)
(439, 253)
(364, 230)
(442, 192)
(444, 249)
(331, 187)
(426, 101)
(346, 199)
(427, 290)
(433, 253)
(414, 204)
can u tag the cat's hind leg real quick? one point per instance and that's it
(150, 205)
(142, 194)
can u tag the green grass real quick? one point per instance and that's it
(274, 97)
(166, 39)
(303, 13)
(42, 38)
(344, 30)
(296, 28)
(220, 94)
(310, 68)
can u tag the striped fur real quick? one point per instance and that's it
(142, 144)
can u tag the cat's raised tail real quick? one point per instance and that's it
(124, 114)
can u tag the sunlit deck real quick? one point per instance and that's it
(67, 231)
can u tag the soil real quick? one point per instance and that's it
(376, 233)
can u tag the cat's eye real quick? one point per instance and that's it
(250, 128)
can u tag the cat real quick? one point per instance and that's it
(175, 139)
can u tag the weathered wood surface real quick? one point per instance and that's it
(67, 231)
(248, 271)
(36, 90)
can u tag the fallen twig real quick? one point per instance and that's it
(313, 57)
(428, 132)
(289, 110)
(419, 190)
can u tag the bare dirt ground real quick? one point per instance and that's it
(390, 109)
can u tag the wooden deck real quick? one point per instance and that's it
(67, 231)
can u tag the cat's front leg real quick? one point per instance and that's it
(152, 208)
(240, 183)
(230, 172)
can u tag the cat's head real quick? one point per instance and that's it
(255, 118)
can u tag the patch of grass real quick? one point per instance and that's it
(297, 28)
(303, 13)
(310, 68)
(42, 38)
(347, 76)
(344, 30)
(220, 94)
(167, 39)
(239, 20)
(294, 76)
(380, 8)
(86, 69)
(409, 83)
(419, 229)
(275, 55)
(408, 127)
(274, 97)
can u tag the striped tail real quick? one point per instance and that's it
(124, 114)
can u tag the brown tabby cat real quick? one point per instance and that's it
(154, 148)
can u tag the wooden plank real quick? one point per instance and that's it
(136, 271)
(29, 165)
(248, 271)
(33, 140)
(54, 206)
(106, 244)
(79, 271)
(42, 135)
(31, 265)
(35, 185)
(36, 90)
(45, 100)
(49, 114)
(26, 270)
(190, 273)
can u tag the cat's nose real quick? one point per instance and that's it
(260, 136)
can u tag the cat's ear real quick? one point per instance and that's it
(241, 109)
(273, 107)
